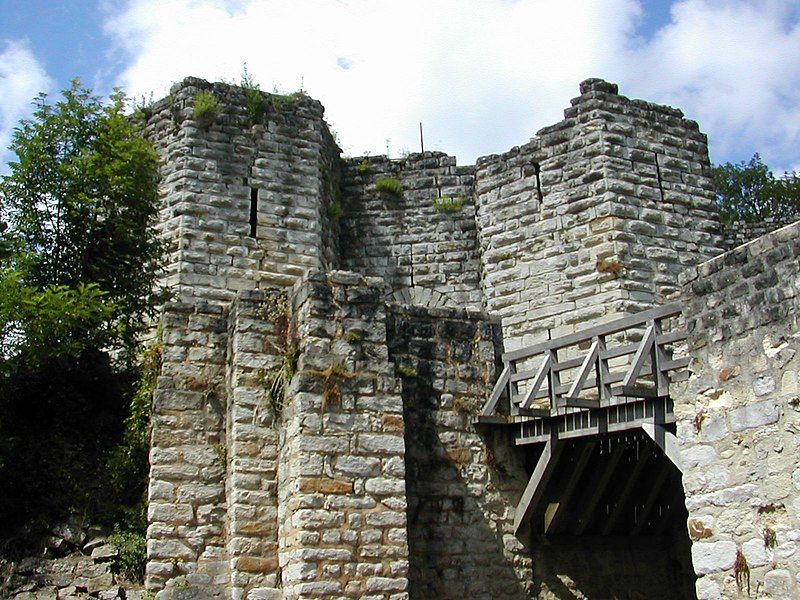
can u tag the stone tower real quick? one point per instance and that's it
(329, 342)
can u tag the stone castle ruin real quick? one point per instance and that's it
(548, 375)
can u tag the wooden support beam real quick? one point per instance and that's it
(600, 489)
(666, 441)
(645, 346)
(623, 497)
(501, 384)
(554, 518)
(660, 312)
(541, 475)
(541, 375)
(652, 498)
(586, 367)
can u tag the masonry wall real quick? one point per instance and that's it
(186, 496)
(462, 484)
(342, 489)
(739, 419)
(423, 241)
(595, 217)
(211, 171)
(740, 232)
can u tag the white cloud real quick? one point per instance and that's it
(483, 75)
(22, 77)
(734, 66)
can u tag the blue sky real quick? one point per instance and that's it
(482, 75)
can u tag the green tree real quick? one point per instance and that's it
(78, 267)
(748, 191)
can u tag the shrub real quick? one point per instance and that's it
(132, 549)
(390, 186)
(206, 108)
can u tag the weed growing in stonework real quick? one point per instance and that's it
(447, 204)
(390, 186)
(132, 550)
(363, 167)
(408, 372)
(256, 103)
(335, 210)
(206, 108)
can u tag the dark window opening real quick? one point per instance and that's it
(537, 170)
(253, 211)
(658, 175)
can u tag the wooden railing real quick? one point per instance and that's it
(627, 358)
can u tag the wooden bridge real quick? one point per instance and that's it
(594, 409)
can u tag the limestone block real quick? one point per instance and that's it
(779, 583)
(707, 589)
(712, 557)
(755, 415)
(755, 552)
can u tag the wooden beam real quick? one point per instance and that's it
(583, 373)
(552, 520)
(660, 312)
(652, 497)
(645, 345)
(666, 441)
(541, 375)
(622, 499)
(588, 509)
(502, 381)
(541, 475)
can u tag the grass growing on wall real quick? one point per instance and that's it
(389, 186)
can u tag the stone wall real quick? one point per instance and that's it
(342, 488)
(212, 173)
(462, 484)
(258, 342)
(186, 496)
(595, 217)
(423, 241)
(739, 419)
(740, 232)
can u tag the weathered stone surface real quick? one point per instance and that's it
(742, 310)
(711, 557)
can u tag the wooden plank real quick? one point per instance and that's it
(541, 375)
(492, 420)
(541, 475)
(602, 374)
(567, 401)
(600, 489)
(497, 391)
(666, 441)
(660, 312)
(652, 497)
(624, 495)
(641, 355)
(552, 520)
(586, 367)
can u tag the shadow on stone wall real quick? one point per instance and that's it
(460, 494)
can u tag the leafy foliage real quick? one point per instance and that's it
(132, 548)
(748, 191)
(206, 108)
(78, 261)
(79, 202)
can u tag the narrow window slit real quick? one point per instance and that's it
(253, 211)
(658, 175)
(537, 170)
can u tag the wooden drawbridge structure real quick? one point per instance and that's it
(594, 410)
